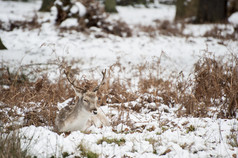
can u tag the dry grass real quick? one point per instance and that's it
(163, 27)
(18, 24)
(10, 146)
(214, 85)
(40, 97)
(220, 33)
(226, 32)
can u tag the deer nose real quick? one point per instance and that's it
(95, 112)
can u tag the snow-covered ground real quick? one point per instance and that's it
(157, 133)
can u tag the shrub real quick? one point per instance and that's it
(95, 17)
(216, 84)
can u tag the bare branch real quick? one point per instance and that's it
(102, 82)
(67, 72)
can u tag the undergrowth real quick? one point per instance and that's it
(222, 32)
(232, 138)
(94, 17)
(10, 146)
(210, 91)
(163, 27)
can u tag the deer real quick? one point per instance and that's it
(82, 110)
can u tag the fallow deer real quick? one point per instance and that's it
(76, 116)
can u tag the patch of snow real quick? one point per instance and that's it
(233, 18)
(135, 16)
(82, 9)
(5, 87)
(78, 7)
(64, 104)
(70, 22)
(205, 140)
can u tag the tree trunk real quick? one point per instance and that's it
(46, 5)
(201, 11)
(186, 9)
(1, 45)
(131, 2)
(212, 11)
(232, 7)
(110, 6)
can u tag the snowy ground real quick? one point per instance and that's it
(155, 133)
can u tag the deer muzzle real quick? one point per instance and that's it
(95, 112)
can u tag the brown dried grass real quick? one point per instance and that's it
(19, 24)
(219, 33)
(163, 28)
(41, 96)
(214, 84)
(10, 146)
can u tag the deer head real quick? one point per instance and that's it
(87, 99)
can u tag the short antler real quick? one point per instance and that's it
(67, 72)
(102, 82)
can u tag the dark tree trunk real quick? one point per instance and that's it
(131, 2)
(232, 7)
(200, 11)
(1, 45)
(212, 11)
(46, 5)
(110, 6)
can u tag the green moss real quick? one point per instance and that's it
(87, 153)
(119, 142)
(191, 128)
(110, 6)
(65, 154)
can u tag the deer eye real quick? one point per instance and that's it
(85, 100)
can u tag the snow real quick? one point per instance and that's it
(78, 7)
(206, 140)
(81, 8)
(171, 136)
(233, 18)
(70, 22)
(145, 16)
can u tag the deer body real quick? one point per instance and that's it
(76, 123)
(75, 117)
